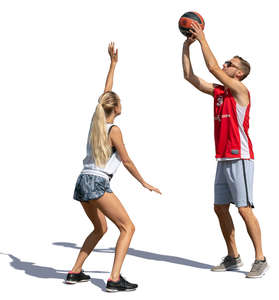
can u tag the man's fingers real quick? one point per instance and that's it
(196, 25)
(192, 32)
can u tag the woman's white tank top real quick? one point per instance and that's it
(111, 166)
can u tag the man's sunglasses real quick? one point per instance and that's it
(230, 64)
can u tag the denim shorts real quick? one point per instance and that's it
(90, 187)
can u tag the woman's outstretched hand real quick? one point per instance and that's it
(113, 53)
(151, 188)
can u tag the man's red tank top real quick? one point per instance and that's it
(231, 124)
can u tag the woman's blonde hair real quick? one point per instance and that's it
(101, 148)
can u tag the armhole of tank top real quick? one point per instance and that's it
(110, 129)
(217, 88)
(113, 148)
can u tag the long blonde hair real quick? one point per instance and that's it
(101, 148)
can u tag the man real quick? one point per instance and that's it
(234, 175)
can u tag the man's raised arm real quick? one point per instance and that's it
(189, 75)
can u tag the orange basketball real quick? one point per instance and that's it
(187, 19)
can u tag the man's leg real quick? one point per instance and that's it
(222, 199)
(227, 227)
(240, 178)
(253, 229)
(232, 261)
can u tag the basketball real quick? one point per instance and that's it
(187, 19)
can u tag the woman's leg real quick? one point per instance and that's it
(100, 228)
(112, 208)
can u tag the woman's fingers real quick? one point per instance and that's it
(112, 52)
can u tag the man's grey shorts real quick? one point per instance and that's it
(234, 182)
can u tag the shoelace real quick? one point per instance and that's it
(123, 277)
(225, 259)
(125, 281)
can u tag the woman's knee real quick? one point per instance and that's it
(100, 231)
(128, 228)
(133, 228)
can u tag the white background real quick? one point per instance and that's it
(53, 65)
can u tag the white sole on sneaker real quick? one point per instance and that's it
(259, 276)
(74, 282)
(69, 282)
(232, 268)
(114, 290)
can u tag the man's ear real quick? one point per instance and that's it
(240, 74)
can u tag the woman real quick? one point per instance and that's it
(105, 152)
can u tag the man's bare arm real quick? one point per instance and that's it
(189, 75)
(236, 86)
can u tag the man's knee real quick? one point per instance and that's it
(245, 211)
(221, 210)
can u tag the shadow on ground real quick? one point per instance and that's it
(147, 255)
(151, 256)
(38, 271)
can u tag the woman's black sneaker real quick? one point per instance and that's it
(121, 285)
(77, 277)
